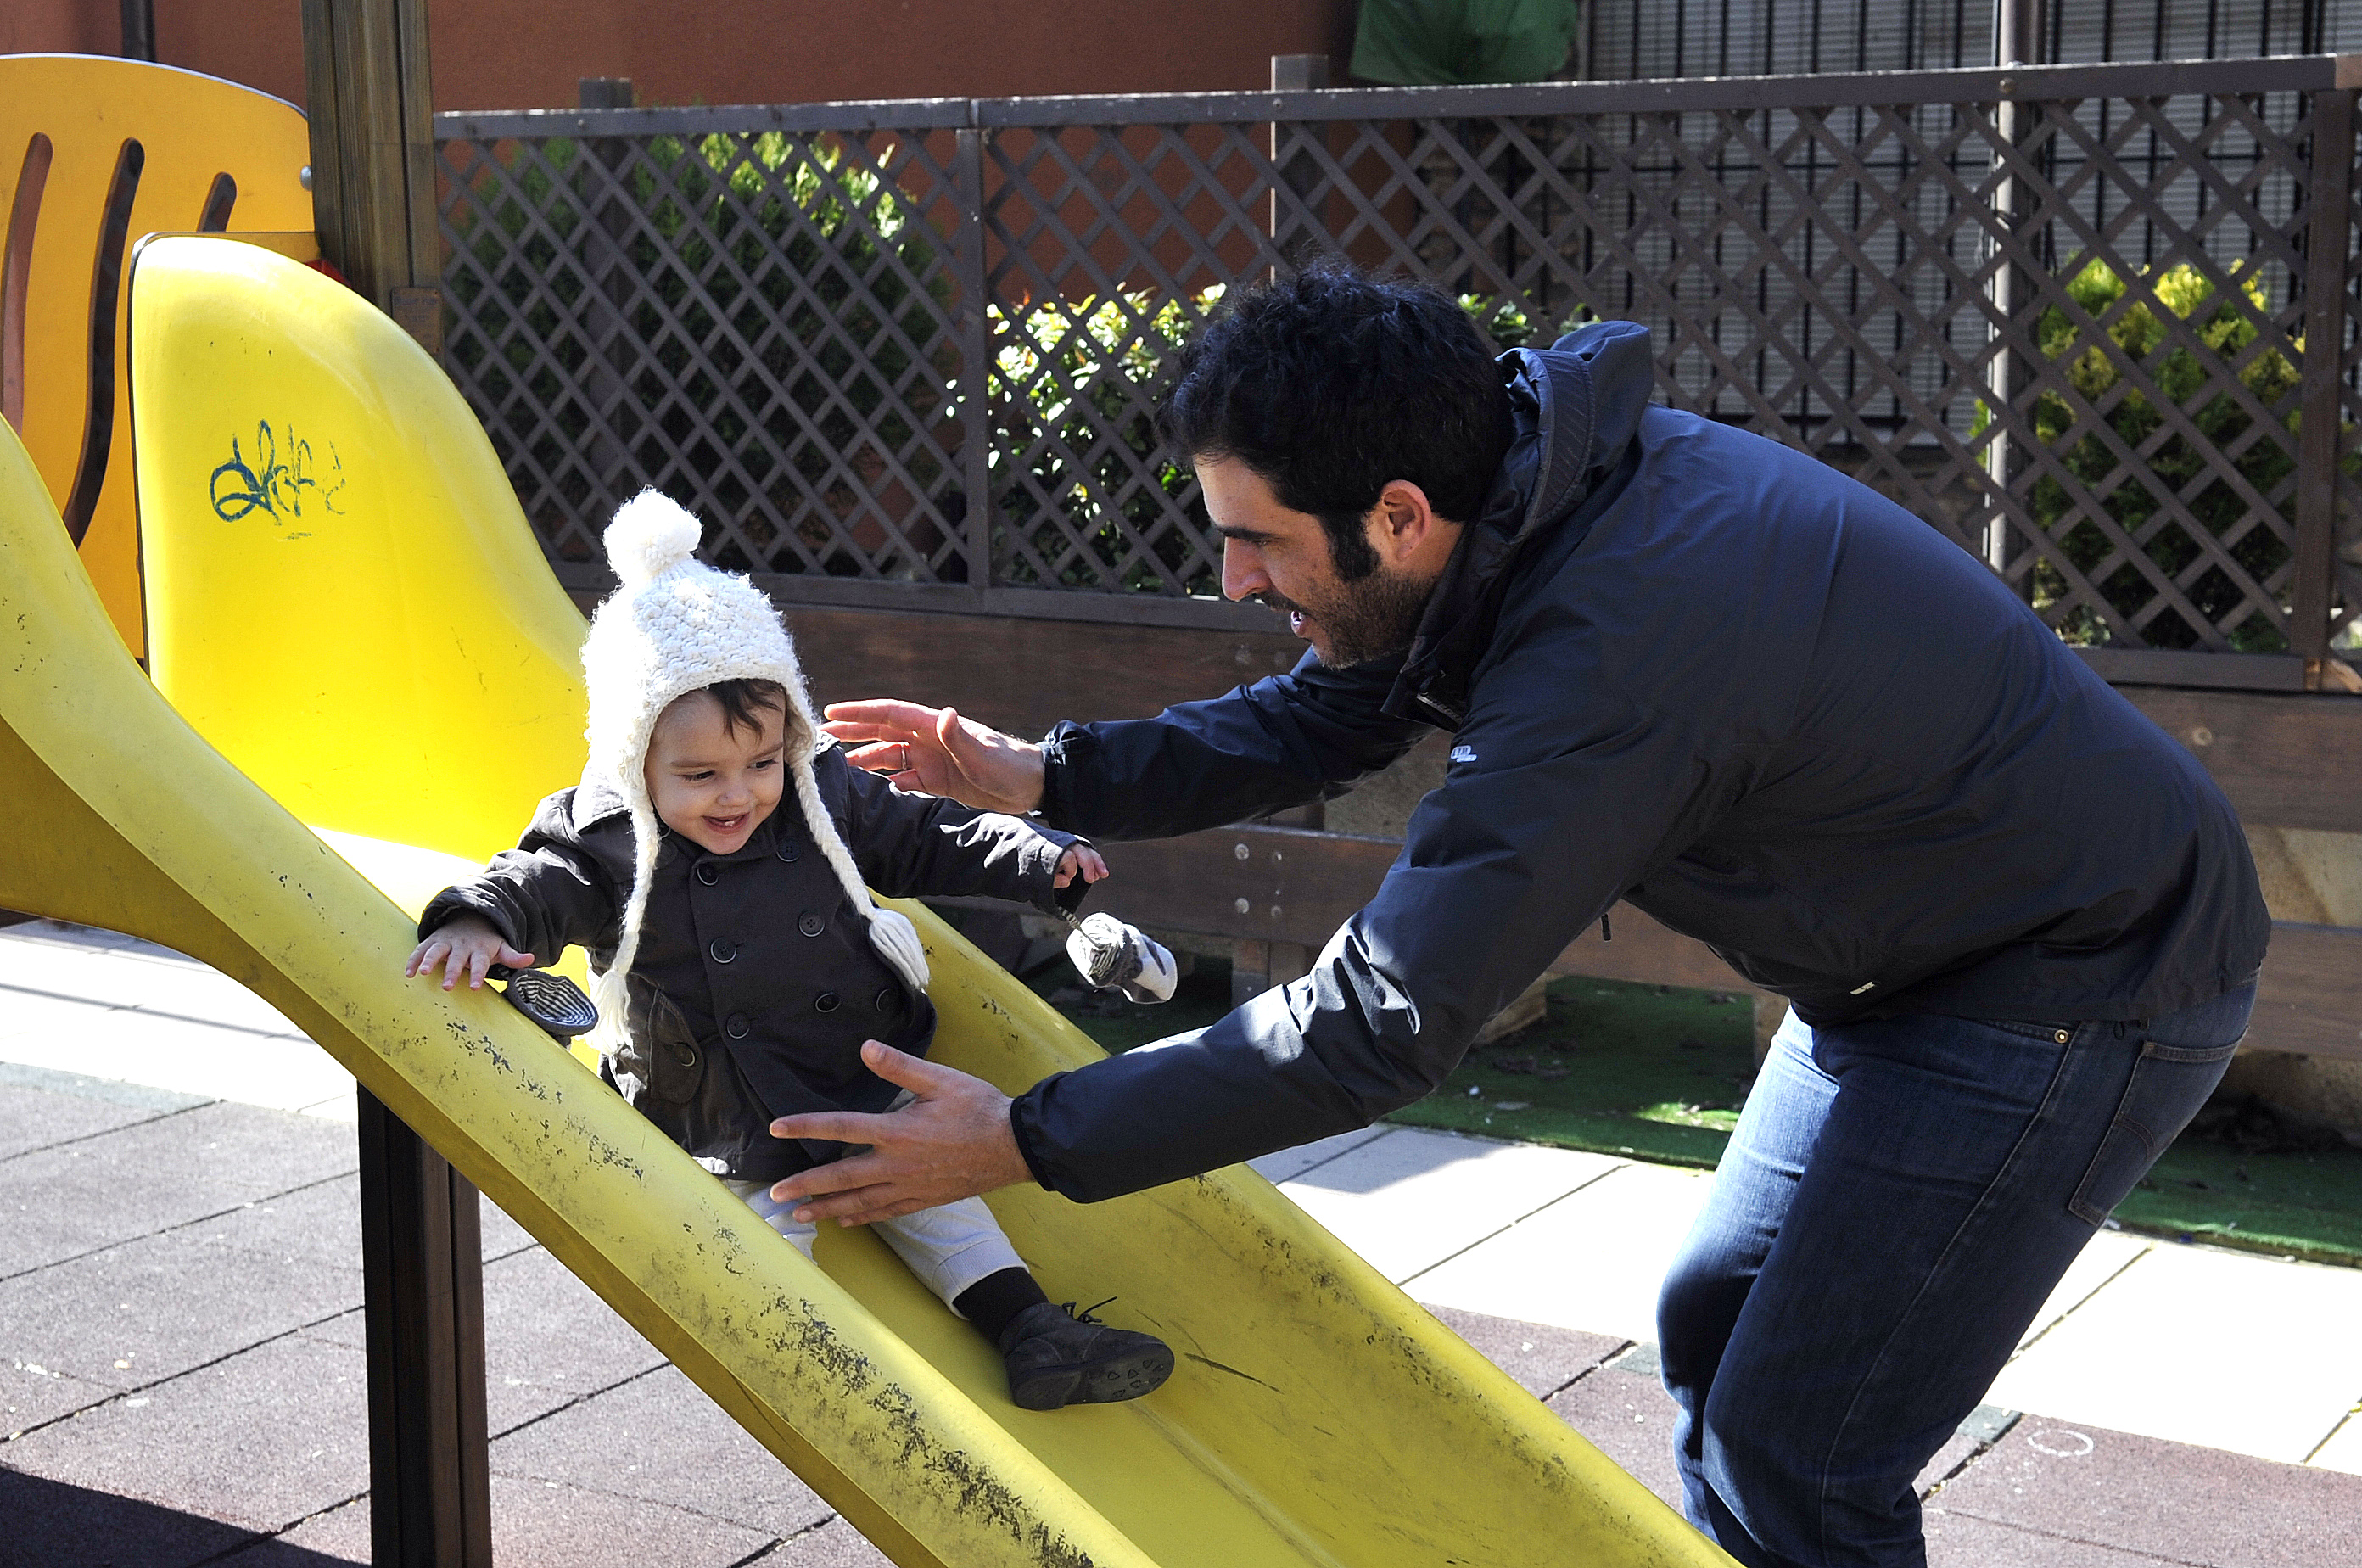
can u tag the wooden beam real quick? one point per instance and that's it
(1290, 885)
(2290, 762)
(2310, 998)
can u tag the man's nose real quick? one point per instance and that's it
(1242, 572)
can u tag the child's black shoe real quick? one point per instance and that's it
(1057, 1356)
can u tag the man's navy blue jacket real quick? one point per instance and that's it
(1693, 670)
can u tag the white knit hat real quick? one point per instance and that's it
(677, 625)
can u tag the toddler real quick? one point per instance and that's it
(715, 862)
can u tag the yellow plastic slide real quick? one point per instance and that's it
(346, 604)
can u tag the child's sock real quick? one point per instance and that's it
(993, 1302)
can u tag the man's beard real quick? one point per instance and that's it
(1374, 617)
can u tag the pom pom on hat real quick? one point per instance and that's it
(651, 535)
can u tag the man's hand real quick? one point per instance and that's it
(933, 751)
(951, 1142)
(465, 945)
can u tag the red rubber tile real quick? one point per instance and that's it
(2143, 1495)
(1628, 1417)
(1961, 1541)
(1542, 1359)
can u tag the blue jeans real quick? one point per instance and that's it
(1897, 1204)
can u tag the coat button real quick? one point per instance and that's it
(723, 951)
(811, 925)
(685, 1054)
(708, 875)
(886, 999)
(826, 1001)
(735, 1026)
(790, 851)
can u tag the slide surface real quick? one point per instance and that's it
(389, 661)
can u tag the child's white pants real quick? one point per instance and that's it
(949, 1248)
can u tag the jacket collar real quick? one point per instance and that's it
(1575, 408)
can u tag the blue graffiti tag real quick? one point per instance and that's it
(270, 484)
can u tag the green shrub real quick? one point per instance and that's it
(2134, 495)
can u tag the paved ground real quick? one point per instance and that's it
(182, 1378)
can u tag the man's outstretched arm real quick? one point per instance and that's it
(1281, 742)
(1560, 813)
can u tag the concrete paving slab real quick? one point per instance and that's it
(2181, 1503)
(266, 1438)
(134, 1181)
(156, 1307)
(54, 1524)
(1956, 1541)
(1591, 1260)
(2344, 1449)
(836, 1544)
(1288, 1164)
(285, 1072)
(1411, 1199)
(1542, 1359)
(145, 977)
(2108, 1254)
(659, 1438)
(1628, 1417)
(31, 1394)
(318, 1224)
(34, 1119)
(2122, 1359)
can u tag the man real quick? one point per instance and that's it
(1689, 669)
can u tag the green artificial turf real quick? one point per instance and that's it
(1657, 1073)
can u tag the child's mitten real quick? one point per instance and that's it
(1112, 955)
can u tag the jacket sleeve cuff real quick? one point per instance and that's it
(1020, 1117)
(452, 902)
(1065, 751)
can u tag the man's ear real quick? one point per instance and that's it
(1407, 532)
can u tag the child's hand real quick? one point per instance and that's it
(1080, 857)
(468, 946)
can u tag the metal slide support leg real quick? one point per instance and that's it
(422, 1261)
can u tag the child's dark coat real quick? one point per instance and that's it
(755, 983)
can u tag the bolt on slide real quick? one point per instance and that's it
(351, 630)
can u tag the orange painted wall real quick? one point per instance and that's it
(519, 54)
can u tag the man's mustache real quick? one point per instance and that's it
(1279, 602)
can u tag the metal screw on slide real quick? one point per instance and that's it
(551, 1000)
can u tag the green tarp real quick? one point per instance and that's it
(1425, 43)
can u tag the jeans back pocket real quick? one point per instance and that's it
(2168, 1086)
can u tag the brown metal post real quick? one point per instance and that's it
(422, 1272)
(2017, 41)
(975, 350)
(422, 1253)
(139, 29)
(1300, 173)
(2328, 232)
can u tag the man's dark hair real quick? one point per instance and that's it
(743, 702)
(1329, 384)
